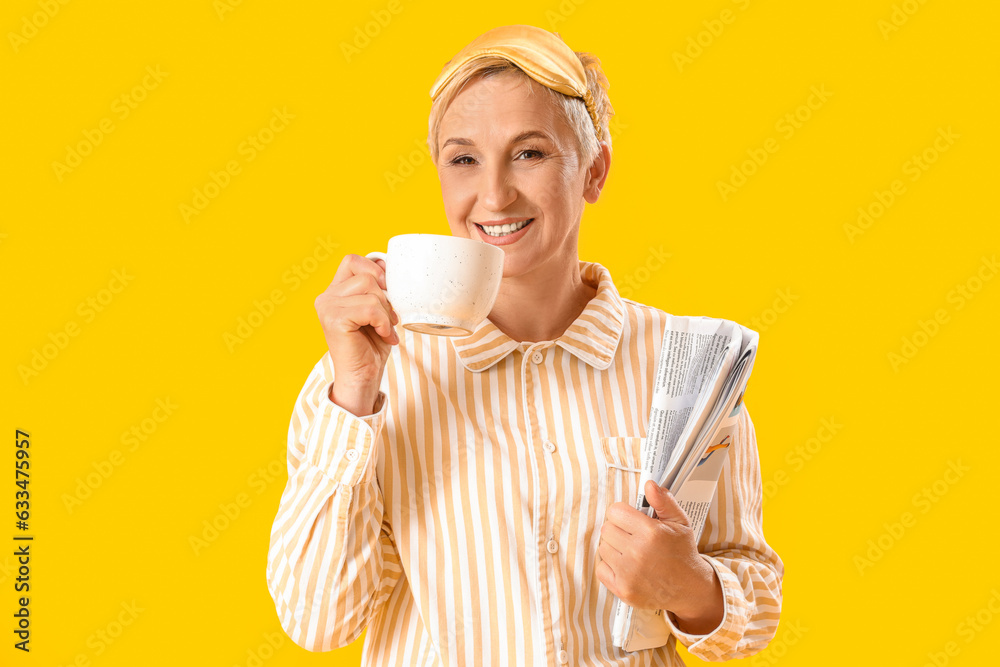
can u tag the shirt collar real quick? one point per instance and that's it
(593, 337)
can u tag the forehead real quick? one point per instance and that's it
(501, 106)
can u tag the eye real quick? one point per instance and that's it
(533, 154)
(538, 153)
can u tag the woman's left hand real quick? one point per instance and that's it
(653, 563)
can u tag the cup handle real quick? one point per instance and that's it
(377, 255)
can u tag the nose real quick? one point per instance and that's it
(496, 191)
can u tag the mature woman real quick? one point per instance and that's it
(468, 499)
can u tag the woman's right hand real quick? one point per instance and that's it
(358, 324)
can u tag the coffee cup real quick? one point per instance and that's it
(442, 285)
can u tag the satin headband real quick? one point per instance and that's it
(541, 54)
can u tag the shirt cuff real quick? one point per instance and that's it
(735, 617)
(342, 444)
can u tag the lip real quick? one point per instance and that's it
(510, 238)
(505, 221)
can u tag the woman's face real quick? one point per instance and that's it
(507, 155)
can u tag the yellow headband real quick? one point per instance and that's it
(542, 55)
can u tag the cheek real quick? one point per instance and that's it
(450, 194)
(456, 206)
(552, 189)
(453, 186)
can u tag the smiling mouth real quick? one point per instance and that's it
(499, 231)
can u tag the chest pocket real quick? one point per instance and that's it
(623, 456)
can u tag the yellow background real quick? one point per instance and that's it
(774, 255)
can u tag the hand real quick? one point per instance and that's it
(358, 324)
(653, 563)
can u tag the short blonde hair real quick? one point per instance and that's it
(574, 108)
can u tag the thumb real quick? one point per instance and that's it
(661, 500)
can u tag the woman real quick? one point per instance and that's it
(468, 499)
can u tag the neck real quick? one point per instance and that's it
(541, 305)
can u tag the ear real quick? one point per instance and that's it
(597, 174)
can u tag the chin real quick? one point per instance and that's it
(516, 266)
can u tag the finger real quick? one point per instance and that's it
(362, 310)
(665, 504)
(353, 265)
(607, 577)
(365, 283)
(615, 536)
(609, 555)
(359, 283)
(627, 518)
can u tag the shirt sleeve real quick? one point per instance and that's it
(750, 570)
(332, 560)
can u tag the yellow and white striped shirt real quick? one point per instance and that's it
(460, 522)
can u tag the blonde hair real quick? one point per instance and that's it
(574, 108)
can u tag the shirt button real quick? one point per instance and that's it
(549, 446)
(352, 455)
(552, 546)
(563, 657)
(537, 357)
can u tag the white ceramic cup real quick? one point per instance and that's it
(443, 285)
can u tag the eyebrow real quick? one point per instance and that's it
(530, 134)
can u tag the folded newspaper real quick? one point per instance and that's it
(701, 375)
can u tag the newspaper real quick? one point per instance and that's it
(701, 375)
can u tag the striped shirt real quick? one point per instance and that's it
(459, 523)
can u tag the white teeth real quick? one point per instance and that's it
(505, 229)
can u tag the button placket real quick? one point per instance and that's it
(551, 559)
(540, 501)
